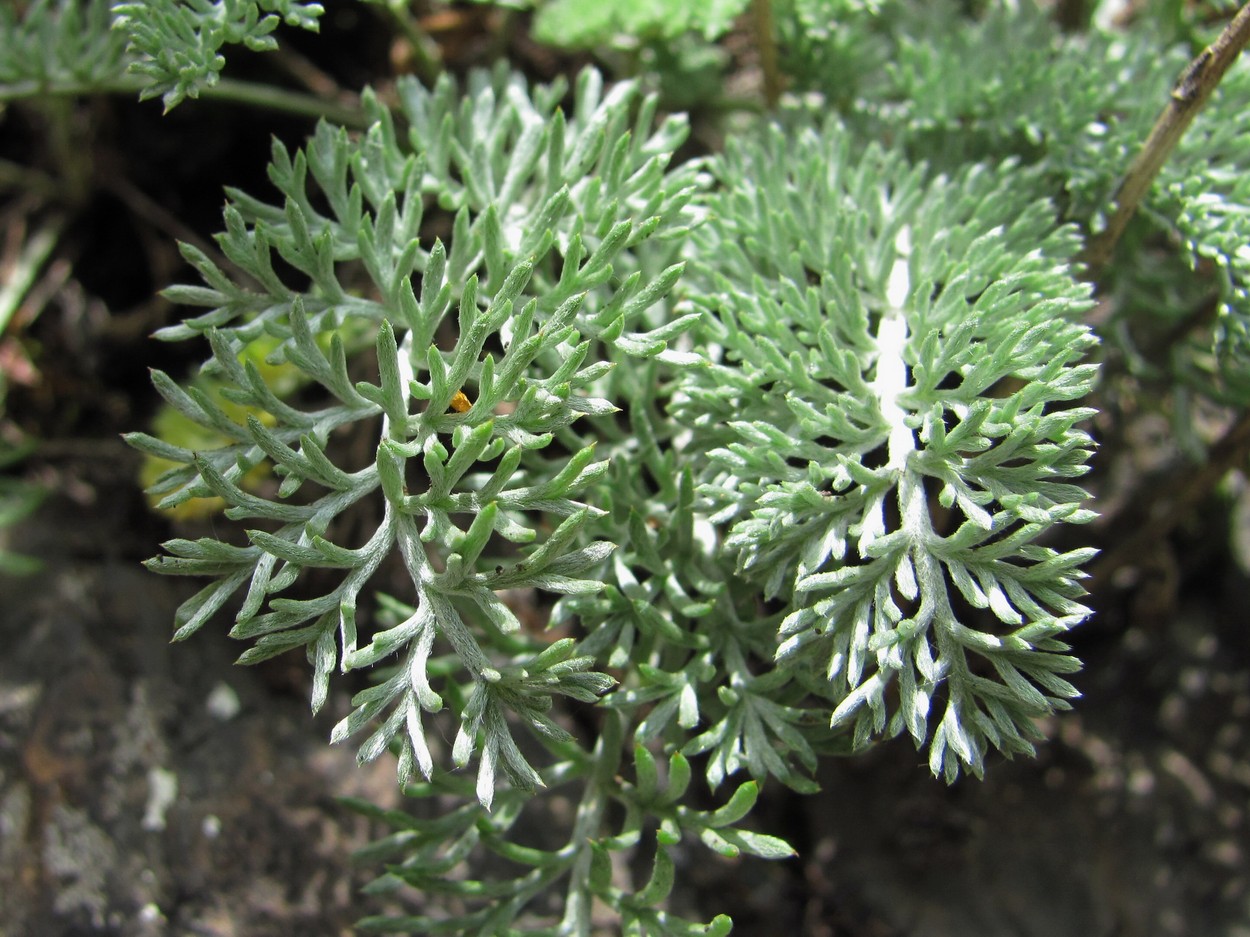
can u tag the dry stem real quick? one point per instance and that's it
(1189, 94)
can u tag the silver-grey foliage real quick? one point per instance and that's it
(789, 437)
(793, 433)
(857, 408)
(892, 431)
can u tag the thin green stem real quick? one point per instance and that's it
(505, 28)
(290, 102)
(227, 89)
(427, 61)
(24, 90)
(606, 759)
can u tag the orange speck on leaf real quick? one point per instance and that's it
(460, 403)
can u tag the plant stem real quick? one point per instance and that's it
(606, 758)
(1072, 15)
(1188, 96)
(766, 42)
(227, 89)
(427, 61)
(291, 102)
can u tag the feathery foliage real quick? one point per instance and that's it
(697, 469)
(50, 42)
(465, 436)
(176, 44)
(892, 406)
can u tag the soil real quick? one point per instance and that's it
(149, 789)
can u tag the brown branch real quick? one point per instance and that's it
(1189, 94)
(766, 43)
